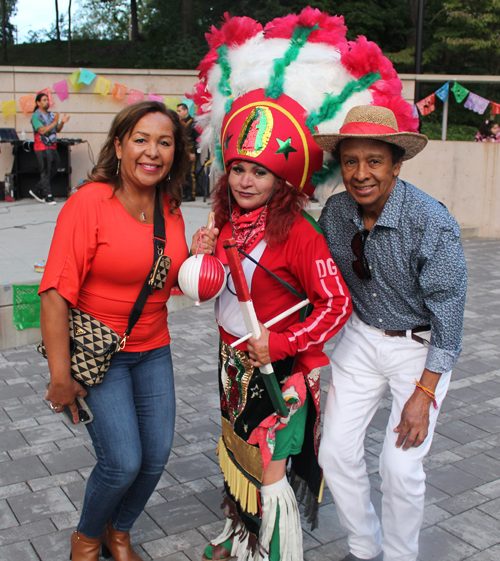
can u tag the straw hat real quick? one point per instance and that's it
(377, 123)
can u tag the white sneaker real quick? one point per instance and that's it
(36, 197)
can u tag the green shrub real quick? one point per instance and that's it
(453, 132)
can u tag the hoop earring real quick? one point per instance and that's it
(118, 167)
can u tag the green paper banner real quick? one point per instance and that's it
(459, 91)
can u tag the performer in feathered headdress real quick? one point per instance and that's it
(263, 93)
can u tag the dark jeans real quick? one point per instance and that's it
(48, 162)
(132, 433)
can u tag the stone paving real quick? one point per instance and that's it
(44, 463)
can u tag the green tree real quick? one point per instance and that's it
(102, 20)
(467, 40)
(176, 37)
(8, 9)
(111, 19)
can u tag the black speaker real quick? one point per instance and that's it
(27, 173)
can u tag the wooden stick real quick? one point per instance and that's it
(211, 220)
(252, 323)
(321, 489)
(274, 321)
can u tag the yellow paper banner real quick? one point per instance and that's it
(9, 108)
(102, 86)
(172, 102)
(119, 91)
(27, 103)
(73, 80)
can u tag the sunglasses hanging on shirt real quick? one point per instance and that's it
(360, 264)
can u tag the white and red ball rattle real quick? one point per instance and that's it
(202, 277)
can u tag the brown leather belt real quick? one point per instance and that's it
(402, 333)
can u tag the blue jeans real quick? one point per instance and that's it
(132, 433)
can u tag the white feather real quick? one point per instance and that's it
(333, 125)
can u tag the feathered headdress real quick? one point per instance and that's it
(302, 61)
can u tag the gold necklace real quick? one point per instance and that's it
(143, 214)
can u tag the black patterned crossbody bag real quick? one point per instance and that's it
(92, 343)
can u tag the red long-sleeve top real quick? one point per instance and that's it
(305, 262)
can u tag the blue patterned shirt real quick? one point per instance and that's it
(417, 264)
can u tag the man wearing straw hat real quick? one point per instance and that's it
(399, 252)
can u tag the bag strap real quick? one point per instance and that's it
(159, 238)
(159, 241)
(284, 283)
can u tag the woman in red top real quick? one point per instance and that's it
(101, 253)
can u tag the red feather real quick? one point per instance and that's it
(402, 110)
(206, 64)
(388, 87)
(365, 56)
(281, 27)
(331, 28)
(234, 31)
(201, 97)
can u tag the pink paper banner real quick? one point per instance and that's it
(48, 93)
(134, 96)
(154, 97)
(61, 89)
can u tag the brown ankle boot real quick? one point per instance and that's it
(117, 544)
(83, 548)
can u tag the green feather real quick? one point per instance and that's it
(333, 103)
(218, 155)
(224, 86)
(329, 169)
(277, 81)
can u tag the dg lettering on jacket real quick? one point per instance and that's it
(326, 268)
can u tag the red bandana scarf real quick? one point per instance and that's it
(248, 229)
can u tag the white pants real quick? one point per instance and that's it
(364, 362)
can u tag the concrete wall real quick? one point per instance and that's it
(464, 175)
